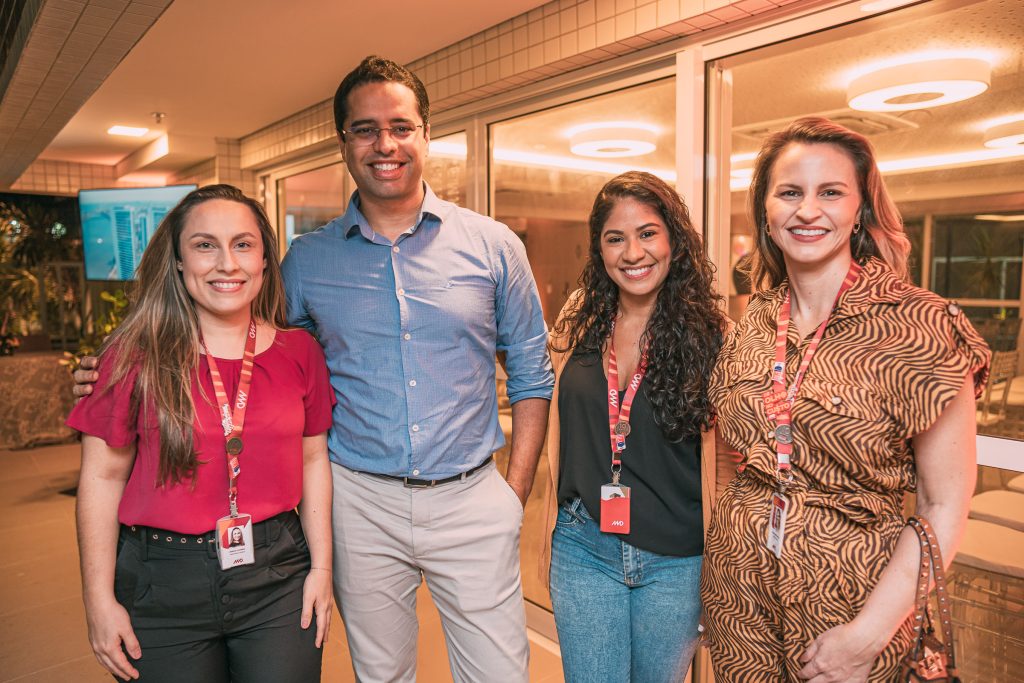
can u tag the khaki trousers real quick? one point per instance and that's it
(463, 539)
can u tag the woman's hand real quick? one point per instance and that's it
(317, 596)
(109, 627)
(844, 654)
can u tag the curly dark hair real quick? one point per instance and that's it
(685, 331)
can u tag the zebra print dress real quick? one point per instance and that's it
(892, 358)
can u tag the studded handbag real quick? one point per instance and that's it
(930, 659)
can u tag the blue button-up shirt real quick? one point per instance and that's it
(410, 329)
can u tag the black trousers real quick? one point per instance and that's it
(196, 622)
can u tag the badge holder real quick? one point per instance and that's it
(234, 541)
(615, 505)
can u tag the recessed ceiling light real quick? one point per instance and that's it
(919, 85)
(128, 131)
(612, 139)
(1009, 134)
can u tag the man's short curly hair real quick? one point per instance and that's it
(374, 69)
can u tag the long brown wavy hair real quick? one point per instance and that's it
(882, 227)
(685, 329)
(160, 335)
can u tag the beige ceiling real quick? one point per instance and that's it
(230, 67)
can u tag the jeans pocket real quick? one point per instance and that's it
(569, 514)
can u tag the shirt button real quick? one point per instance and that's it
(406, 336)
(836, 400)
(415, 428)
(416, 472)
(225, 599)
(228, 616)
(395, 249)
(412, 383)
(401, 292)
(952, 308)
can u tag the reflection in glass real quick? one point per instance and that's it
(547, 168)
(312, 198)
(543, 189)
(958, 195)
(445, 169)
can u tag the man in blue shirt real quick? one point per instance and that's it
(412, 297)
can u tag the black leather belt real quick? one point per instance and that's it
(411, 483)
(262, 533)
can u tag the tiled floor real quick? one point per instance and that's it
(42, 621)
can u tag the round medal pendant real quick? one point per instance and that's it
(622, 429)
(784, 434)
(234, 445)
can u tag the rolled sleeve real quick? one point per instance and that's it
(522, 334)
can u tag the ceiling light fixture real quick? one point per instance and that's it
(514, 156)
(999, 217)
(1008, 134)
(919, 85)
(128, 131)
(612, 139)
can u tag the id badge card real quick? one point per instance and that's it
(615, 509)
(234, 541)
(777, 523)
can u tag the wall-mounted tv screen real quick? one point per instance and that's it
(117, 225)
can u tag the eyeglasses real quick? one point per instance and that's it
(367, 135)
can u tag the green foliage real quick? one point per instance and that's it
(102, 327)
(33, 235)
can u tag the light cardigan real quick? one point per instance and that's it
(708, 467)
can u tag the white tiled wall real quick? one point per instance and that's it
(555, 38)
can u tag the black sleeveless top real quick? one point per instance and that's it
(666, 515)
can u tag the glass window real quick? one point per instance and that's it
(312, 198)
(952, 187)
(445, 169)
(547, 167)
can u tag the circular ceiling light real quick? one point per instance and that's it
(1010, 134)
(614, 139)
(920, 85)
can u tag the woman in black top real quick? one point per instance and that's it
(634, 350)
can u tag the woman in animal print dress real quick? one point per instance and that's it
(843, 387)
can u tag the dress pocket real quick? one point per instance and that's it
(843, 400)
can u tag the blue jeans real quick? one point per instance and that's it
(623, 614)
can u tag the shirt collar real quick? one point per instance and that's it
(353, 221)
(877, 284)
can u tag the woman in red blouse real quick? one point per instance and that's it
(206, 430)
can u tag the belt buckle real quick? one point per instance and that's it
(407, 483)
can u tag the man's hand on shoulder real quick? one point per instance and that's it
(85, 376)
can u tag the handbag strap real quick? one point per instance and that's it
(931, 563)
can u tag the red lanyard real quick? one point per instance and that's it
(618, 417)
(234, 420)
(778, 400)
